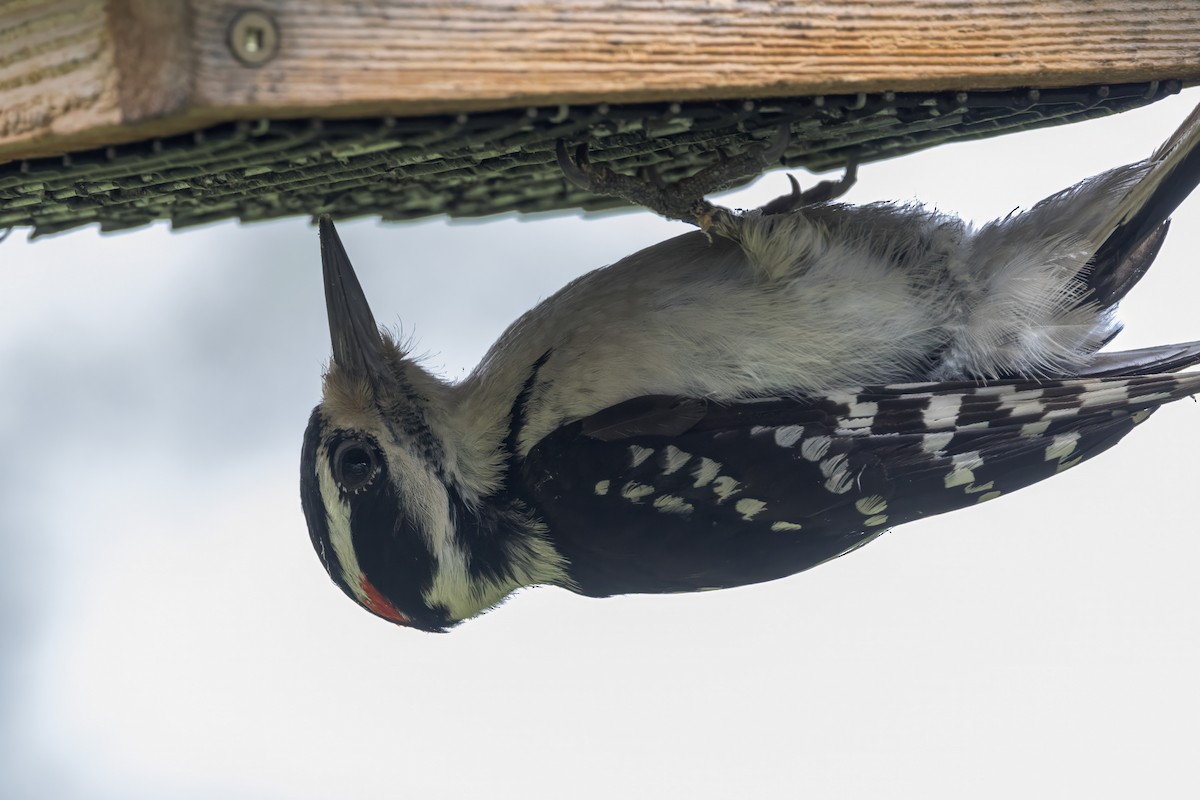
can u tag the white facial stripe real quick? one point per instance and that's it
(424, 501)
(337, 515)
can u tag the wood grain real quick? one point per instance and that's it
(77, 73)
(56, 70)
(422, 56)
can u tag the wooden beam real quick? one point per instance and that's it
(76, 74)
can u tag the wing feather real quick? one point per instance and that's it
(754, 490)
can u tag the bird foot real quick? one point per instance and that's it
(823, 192)
(685, 199)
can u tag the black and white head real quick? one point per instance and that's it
(379, 484)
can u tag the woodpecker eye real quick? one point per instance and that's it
(355, 465)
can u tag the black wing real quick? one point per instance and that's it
(756, 490)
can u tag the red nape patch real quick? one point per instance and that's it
(378, 604)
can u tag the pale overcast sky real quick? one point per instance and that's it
(167, 631)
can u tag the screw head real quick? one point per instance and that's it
(253, 38)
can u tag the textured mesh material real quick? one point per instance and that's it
(476, 164)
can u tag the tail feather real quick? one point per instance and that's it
(1042, 285)
(1110, 282)
(1130, 236)
(1145, 361)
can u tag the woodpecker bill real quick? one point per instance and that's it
(740, 403)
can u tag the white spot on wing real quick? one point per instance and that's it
(837, 474)
(672, 504)
(871, 505)
(861, 415)
(748, 507)
(1115, 392)
(705, 471)
(673, 459)
(835, 463)
(1062, 446)
(1032, 429)
(1031, 409)
(636, 492)
(876, 521)
(786, 526)
(961, 474)
(639, 454)
(941, 411)
(1022, 402)
(1063, 466)
(814, 448)
(788, 435)
(602, 487)
(724, 487)
(936, 442)
(840, 482)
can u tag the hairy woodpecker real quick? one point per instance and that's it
(739, 403)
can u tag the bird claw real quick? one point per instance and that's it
(823, 192)
(685, 199)
(575, 170)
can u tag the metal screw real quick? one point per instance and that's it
(253, 38)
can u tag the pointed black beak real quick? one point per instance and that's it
(357, 345)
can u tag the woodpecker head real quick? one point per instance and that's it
(404, 502)
(367, 484)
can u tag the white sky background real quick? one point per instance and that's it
(167, 632)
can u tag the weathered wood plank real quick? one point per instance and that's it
(425, 55)
(56, 70)
(76, 73)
